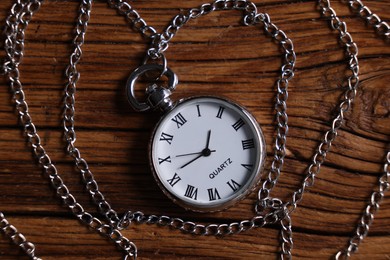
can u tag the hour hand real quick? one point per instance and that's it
(208, 139)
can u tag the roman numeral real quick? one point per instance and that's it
(213, 194)
(161, 160)
(191, 192)
(233, 185)
(248, 144)
(237, 125)
(179, 120)
(198, 109)
(166, 137)
(247, 166)
(175, 179)
(220, 112)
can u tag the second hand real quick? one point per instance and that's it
(181, 155)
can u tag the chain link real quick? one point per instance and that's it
(286, 236)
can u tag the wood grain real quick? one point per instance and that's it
(212, 55)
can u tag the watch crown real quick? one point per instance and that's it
(158, 98)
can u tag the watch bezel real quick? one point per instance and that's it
(257, 172)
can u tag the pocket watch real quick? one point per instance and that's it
(206, 153)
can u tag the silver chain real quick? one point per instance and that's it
(381, 27)
(16, 24)
(69, 112)
(17, 238)
(352, 82)
(134, 19)
(367, 216)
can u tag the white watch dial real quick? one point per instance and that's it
(207, 153)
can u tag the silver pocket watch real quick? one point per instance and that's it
(206, 153)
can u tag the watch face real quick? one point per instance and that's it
(207, 153)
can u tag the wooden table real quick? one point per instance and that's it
(213, 55)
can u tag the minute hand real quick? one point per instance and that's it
(196, 158)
